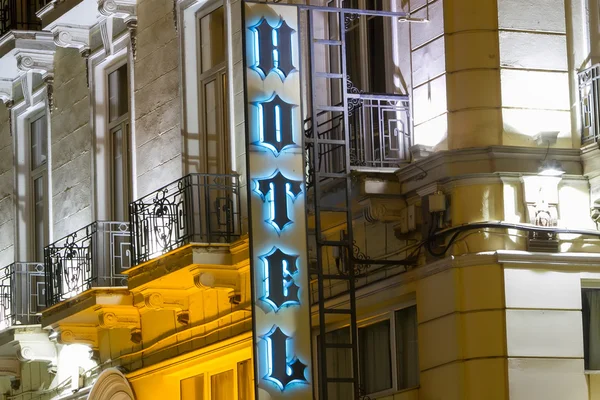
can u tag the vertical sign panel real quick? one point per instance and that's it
(277, 200)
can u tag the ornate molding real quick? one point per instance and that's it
(382, 209)
(111, 384)
(119, 318)
(49, 80)
(132, 27)
(124, 9)
(10, 366)
(6, 90)
(106, 34)
(72, 37)
(70, 334)
(222, 279)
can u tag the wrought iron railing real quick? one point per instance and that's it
(198, 208)
(22, 294)
(20, 15)
(94, 256)
(379, 132)
(589, 101)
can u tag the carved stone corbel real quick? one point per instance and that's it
(119, 318)
(87, 335)
(160, 301)
(9, 105)
(124, 9)
(37, 351)
(41, 62)
(382, 209)
(72, 37)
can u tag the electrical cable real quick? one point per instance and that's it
(457, 230)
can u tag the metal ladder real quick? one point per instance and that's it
(328, 147)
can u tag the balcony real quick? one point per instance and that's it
(20, 15)
(589, 102)
(198, 208)
(94, 256)
(22, 295)
(378, 129)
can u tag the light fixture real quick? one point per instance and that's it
(550, 168)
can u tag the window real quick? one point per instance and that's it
(245, 373)
(192, 388)
(221, 386)
(387, 351)
(375, 357)
(214, 132)
(236, 383)
(366, 40)
(407, 351)
(591, 328)
(119, 139)
(38, 173)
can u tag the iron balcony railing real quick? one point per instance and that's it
(379, 129)
(94, 256)
(198, 208)
(22, 294)
(589, 101)
(20, 15)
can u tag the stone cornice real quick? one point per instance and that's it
(493, 162)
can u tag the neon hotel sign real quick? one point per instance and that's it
(277, 200)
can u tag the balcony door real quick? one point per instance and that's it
(216, 203)
(212, 66)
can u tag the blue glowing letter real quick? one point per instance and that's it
(276, 190)
(273, 49)
(280, 288)
(275, 124)
(282, 372)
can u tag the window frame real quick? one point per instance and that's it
(101, 64)
(392, 41)
(123, 122)
(594, 285)
(216, 73)
(389, 315)
(219, 368)
(40, 172)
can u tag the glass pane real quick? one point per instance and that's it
(591, 328)
(212, 39)
(339, 364)
(376, 48)
(39, 144)
(221, 386)
(211, 127)
(375, 357)
(118, 176)
(118, 104)
(38, 218)
(193, 388)
(245, 372)
(407, 350)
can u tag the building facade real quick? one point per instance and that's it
(324, 199)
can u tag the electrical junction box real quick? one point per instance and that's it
(437, 202)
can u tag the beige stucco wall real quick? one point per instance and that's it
(489, 72)
(157, 102)
(7, 204)
(70, 145)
